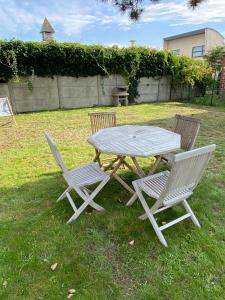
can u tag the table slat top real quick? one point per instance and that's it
(135, 140)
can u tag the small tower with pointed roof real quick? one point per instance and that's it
(47, 31)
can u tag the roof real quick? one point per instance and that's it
(47, 27)
(190, 33)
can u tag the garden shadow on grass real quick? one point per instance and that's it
(36, 202)
(43, 193)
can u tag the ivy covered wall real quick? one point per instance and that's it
(24, 59)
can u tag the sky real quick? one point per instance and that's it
(94, 22)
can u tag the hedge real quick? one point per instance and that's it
(18, 58)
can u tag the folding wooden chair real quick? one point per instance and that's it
(78, 179)
(174, 187)
(188, 128)
(101, 120)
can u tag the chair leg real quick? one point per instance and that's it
(63, 196)
(143, 217)
(78, 212)
(93, 203)
(150, 215)
(193, 217)
(71, 201)
(132, 200)
(87, 199)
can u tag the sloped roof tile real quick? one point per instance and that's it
(47, 27)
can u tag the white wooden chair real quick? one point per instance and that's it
(188, 128)
(101, 120)
(174, 187)
(78, 179)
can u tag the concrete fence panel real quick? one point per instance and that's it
(42, 96)
(77, 92)
(4, 90)
(71, 92)
(148, 89)
(105, 86)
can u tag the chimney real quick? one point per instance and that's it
(132, 43)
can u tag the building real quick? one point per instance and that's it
(47, 31)
(194, 43)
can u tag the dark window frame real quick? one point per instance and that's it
(198, 53)
(176, 51)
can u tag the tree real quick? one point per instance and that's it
(135, 7)
(215, 58)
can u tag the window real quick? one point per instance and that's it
(176, 51)
(198, 51)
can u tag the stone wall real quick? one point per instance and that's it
(71, 92)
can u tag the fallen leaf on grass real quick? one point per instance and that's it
(5, 284)
(71, 291)
(131, 242)
(53, 267)
(70, 296)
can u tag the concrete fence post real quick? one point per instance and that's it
(59, 91)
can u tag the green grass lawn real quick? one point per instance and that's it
(93, 253)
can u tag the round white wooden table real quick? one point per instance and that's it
(133, 141)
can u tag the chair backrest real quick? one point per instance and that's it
(55, 152)
(188, 128)
(187, 170)
(100, 120)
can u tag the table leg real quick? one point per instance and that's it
(101, 161)
(131, 168)
(97, 158)
(141, 173)
(123, 183)
(110, 165)
(118, 178)
(155, 165)
(138, 167)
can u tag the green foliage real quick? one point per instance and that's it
(215, 56)
(218, 101)
(73, 59)
(135, 8)
(191, 72)
(9, 60)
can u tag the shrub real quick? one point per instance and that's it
(19, 58)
